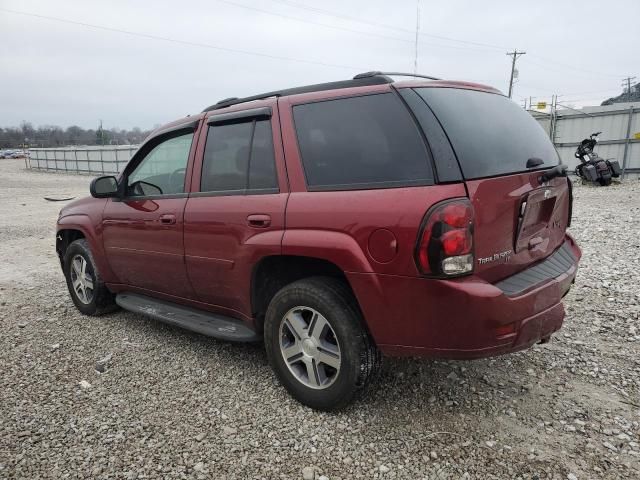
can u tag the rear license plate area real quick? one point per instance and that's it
(534, 217)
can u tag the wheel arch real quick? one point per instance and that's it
(64, 238)
(75, 227)
(272, 273)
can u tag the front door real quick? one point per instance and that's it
(235, 213)
(143, 232)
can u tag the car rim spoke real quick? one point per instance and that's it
(317, 326)
(81, 293)
(328, 358)
(297, 325)
(293, 352)
(312, 373)
(76, 267)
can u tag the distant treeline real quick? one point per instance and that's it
(626, 96)
(53, 136)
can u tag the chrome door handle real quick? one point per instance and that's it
(168, 219)
(259, 221)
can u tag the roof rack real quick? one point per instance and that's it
(360, 80)
(392, 74)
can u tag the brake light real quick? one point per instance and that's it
(446, 240)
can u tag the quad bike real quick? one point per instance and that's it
(592, 168)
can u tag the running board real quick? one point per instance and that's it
(200, 321)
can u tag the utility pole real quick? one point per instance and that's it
(415, 59)
(101, 134)
(514, 56)
(627, 83)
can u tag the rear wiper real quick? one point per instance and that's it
(534, 162)
(558, 171)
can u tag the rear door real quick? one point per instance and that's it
(235, 213)
(518, 219)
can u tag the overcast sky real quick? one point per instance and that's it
(63, 73)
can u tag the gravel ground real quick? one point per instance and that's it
(171, 404)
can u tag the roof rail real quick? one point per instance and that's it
(358, 81)
(225, 100)
(388, 74)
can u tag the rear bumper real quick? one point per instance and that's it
(464, 318)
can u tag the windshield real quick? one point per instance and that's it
(490, 134)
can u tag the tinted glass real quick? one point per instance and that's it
(226, 158)
(361, 142)
(490, 134)
(162, 171)
(262, 167)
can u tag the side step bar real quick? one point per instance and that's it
(200, 321)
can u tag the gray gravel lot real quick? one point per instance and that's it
(172, 404)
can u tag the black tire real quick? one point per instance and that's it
(604, 182)
(360, 359)
(101, 300)
(578, 171)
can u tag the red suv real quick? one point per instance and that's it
(337, 222)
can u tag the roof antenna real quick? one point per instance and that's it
(415, 59)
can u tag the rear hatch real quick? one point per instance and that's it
(518, 219)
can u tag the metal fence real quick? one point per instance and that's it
(619, 124)
(107, 159)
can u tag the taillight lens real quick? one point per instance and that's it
(446, 240)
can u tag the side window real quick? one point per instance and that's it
(361, 142)
(162, 171)
(262, 167)
(239, 157)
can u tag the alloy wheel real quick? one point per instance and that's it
(310, 347)
(82, 279)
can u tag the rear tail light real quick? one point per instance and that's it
(445, 246)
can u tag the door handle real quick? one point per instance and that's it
(259, 221)
(168, 219)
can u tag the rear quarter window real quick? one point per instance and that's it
(490, 134)
(361, 142)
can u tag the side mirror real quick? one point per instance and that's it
(104, 187)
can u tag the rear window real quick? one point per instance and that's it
(490, 134)
(360, 142)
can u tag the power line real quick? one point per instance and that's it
(181, 42)
(346, 29)
(550, 92)
(383, 25)
(293, 59)
(311, 22)
(571, 67)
